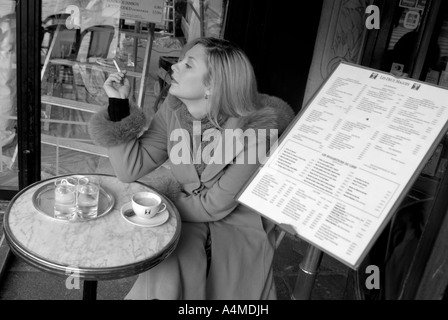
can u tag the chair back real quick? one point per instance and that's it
(100, 40)
(65, 46)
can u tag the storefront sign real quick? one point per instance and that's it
(139, 10)
(345, 164)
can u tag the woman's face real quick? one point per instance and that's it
(188, 75)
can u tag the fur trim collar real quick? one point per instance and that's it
(273, 114)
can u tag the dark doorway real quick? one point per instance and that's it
(279, 38)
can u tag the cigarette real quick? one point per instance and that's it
(116, 65)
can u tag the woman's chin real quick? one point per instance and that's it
(172, 91)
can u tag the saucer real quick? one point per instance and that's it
(155, 221)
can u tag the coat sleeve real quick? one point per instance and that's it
(138, 157)
(132, 156)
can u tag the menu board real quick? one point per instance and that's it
(348, 159)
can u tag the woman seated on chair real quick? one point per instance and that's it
(213, 93)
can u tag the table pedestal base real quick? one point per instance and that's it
(89, 290)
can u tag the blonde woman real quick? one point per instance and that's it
(225, 250)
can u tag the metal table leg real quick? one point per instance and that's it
(89, 290)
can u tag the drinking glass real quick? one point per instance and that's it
(88, 195)
(65, 198)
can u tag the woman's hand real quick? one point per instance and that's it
(117, 85)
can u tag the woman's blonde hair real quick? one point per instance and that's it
(231, 78)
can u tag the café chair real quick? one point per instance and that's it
(62, 45)
(101, 37)
(94, 42)
(48, 29)
(66, 45)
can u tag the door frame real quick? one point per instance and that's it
(29, 16)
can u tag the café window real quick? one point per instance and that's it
(8, 98)
(80, 41)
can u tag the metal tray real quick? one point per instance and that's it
(43, 200)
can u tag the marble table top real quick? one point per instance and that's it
(108, 247)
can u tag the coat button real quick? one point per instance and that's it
(198, 190)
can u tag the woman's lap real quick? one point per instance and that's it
(183, 274)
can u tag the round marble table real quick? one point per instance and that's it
(105, 248)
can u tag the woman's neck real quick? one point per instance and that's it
(197, 108)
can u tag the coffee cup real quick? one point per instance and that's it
(147, 204)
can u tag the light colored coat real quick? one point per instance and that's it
(242, 241)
